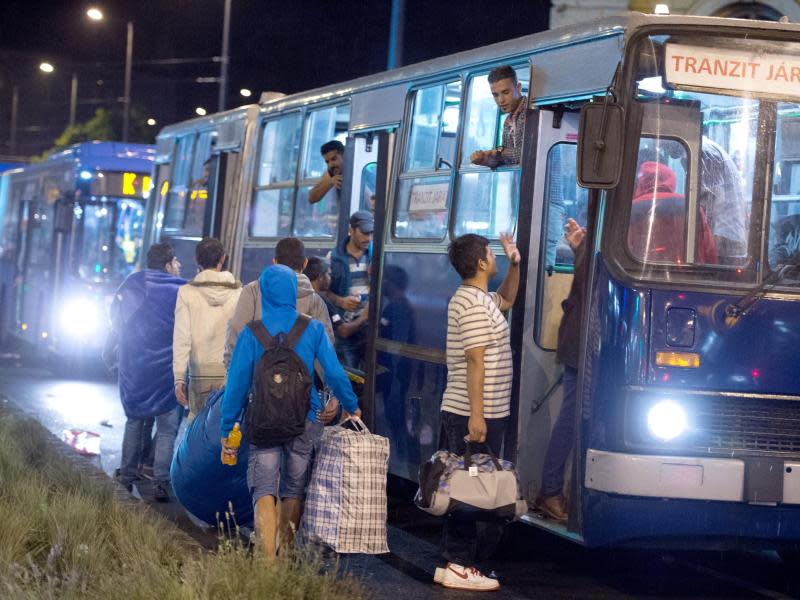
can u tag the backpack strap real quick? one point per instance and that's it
(297, 330)
(262, 335)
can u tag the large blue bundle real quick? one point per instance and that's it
(202, 484)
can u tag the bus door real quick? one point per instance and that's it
(556, 197)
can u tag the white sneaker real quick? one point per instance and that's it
(467, 578)
(438, 575)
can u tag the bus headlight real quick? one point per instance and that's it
(81, 318)
(666, 420)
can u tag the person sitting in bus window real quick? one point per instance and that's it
(201, 316)
(507, 93)
(656, 232)
(351, 261)
(477, 400)
(722, 199)
(333, 154)
(142, 318)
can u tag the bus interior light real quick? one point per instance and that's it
(689, 360)
(666, 420)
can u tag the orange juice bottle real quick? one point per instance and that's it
(234, 441)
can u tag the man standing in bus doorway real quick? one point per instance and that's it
(201, 318)
(507, 93)
(477, 400)
(551, 499)
(143, 317)
(351, 261)
(333, 154)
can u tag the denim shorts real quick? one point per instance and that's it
(282, 471)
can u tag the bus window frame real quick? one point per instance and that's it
(309, 182)
(613, 241)
(400, 163)
(295, 183)
(195, 134)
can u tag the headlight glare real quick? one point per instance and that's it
(666, 420)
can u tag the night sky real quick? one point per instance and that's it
(282, 46)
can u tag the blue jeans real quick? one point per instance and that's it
(561, 439)
(135, 442)
(460, 541)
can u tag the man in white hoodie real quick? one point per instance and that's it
(202, 313)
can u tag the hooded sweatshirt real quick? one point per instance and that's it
(143, 315)
(202, 313)
(278, 287)
(249, 309)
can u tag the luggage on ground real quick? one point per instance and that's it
(346, 500)
(449, 483)
(202, 484)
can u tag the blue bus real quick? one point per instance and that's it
(72, 230)
(688, 419)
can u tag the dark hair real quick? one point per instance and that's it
(159, 255)
(290, 252)
(331, 146)
(504, 72)
(465, 252)
(397, 276)
(208, 253)
(316, 267)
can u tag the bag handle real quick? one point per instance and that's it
(297, 330)
(262, 335)
(485, 446)
(359, 425)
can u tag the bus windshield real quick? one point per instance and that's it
(713, 124)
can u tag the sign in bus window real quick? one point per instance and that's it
(422, 208)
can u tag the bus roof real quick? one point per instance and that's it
(526, 45)
(108, 156)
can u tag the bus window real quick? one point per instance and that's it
(199, 184)
(95, 256)
(319, 219)
(128, 237)
(487, 200)
(271, 211)
(369, 175)
(784, 237)
(423, 197)
(563, 199)
(175, 211)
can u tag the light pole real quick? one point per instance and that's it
(73, 98)
(95, 14)
(223, 68)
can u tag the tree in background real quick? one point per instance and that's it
(104, 126)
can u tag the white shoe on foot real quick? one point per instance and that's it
(438, 575)
(468, 578)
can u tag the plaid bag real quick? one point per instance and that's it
(346, 500)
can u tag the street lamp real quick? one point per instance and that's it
(46, 67)
(201, 111)
(151, 121)
(245, 92)
(95, 14)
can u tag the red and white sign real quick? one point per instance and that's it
(704, 67)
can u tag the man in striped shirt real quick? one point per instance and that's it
(477, 400)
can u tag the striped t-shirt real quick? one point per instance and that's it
(474, 320)
(359, 284)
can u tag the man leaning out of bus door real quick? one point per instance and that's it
(507, 93)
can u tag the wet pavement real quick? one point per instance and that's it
(530, 562)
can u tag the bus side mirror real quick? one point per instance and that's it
(602, 130)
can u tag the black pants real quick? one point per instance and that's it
(460, 534)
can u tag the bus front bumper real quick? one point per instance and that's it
(769, 481)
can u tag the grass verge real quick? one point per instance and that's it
(63, 535)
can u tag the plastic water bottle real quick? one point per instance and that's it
(234, 441)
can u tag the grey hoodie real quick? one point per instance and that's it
(249, 309)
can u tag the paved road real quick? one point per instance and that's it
(530, 563)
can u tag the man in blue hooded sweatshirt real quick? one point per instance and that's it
(143, 316)
(290, 462)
